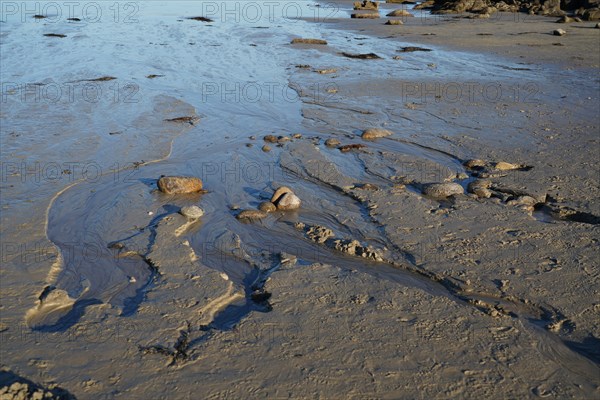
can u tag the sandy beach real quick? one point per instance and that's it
(372, 211)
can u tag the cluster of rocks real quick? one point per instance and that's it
(15, 387)
(183, 185)
(284, 199)
(586, 9)
(366, 5)
(323, 235)
(484, 188)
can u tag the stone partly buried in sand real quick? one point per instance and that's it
(374, 133)
(361, 56)
(309, 41)
(442, 190)
(285, 199)
(179, 184)
(191, 212)
(399, 13)
(248, 215)
(332, 142)
(480, 188)
(365, 15)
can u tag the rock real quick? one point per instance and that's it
(425, 5)
(192, 212)
(374, 133)
(399, 13)
(442, 190)
(597, 25)
(288, 201)
(297, 136)
(523, 201)
(349, 147)
(361, 56)
(326, 71)
(504, 166)
(559, 32)
(475, 164)
(462, 176)
(179, 184)
(267, 206)
(319, 234)
(332, 142)
(251, 214)
(365, 16)
(480, 188)
(309, 41)
(266, 148)
(279, 193)
(394, 22)
(366, 5)
(410, 49)
(592, 14)
(270, 139)
(564, 20)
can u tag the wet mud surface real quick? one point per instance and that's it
(443, 247)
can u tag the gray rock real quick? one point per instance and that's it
(559, 32)
(442, 190)
(248, 215)
(191, 212)
(289, 201)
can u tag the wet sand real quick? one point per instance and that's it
(108, 291)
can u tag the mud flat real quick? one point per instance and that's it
(424, 224)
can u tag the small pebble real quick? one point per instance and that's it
(559, 32)
(332, 142)
(266, 148)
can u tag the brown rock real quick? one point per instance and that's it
(279, 193)
(374, 133)
(332, 142)
(309, 41)
(394, 22)
(365, 16)
(267, 206)
(504, 166)
(251, 214)
(270, 139)
(366, 5)
(179, 184)
(475, 164)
